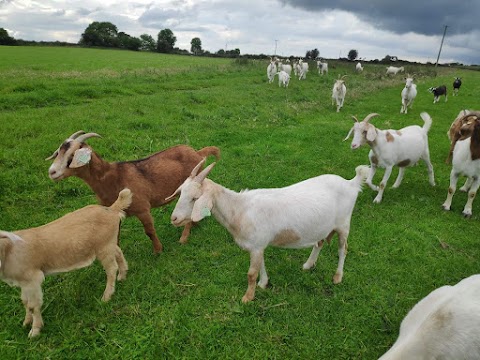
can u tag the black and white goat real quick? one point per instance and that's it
(437, 92)
(456, 85)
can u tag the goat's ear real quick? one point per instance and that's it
(202, 208)
(81, 157)
(200, 177)
(371, 132)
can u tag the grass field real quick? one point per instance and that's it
(186, 302)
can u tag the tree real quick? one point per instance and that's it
(126, 41)
(196, 47)
(6, 39)
(100, 34)
(147, 42)
(352, 55)
(166, 41)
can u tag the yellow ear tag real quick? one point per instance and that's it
(206, 212)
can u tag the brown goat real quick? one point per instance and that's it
(151, 179)
(461, 128)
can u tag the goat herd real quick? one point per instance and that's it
(445, 324)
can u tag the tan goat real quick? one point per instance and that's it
(151, 179)
(72, 242)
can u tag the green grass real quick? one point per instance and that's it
(186, 302)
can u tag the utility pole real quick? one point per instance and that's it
(441, 44)
(275, 47)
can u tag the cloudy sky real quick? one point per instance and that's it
(410, 30)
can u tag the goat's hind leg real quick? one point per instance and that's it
(109, 262)
(312, 259)
(147, 221)
(122, 264)
(467, 211)
(32, 298)
(451, 190)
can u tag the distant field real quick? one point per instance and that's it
(186, 302)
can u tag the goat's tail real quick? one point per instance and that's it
(209, 150)
(123, 201)
(362, 172)
(428, 121)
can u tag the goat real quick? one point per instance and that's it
(297, 216)
(322, 67)
(150, 179)
(359, 67)
(409, 93)
(459, 129)
(71, 242)
(456, 85)
(338, 92)
(404, 147)
(437, 92)
(271, 70)
(393, 70)
(283, 78)
(285, 67)
(443, 325)
(302, 69)
(466, 161)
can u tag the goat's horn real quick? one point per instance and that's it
(173, 195)
(354, 118)
(77, 134)
(84, 137)
(53, 156)
(196, 168)
(367, 119)
(200, 177)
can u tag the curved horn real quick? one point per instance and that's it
(367, 119)
(75, 135)
(354, 118)
(53, 156)
(196, 168)
(174, 194)
(200, 177)
(84, 137)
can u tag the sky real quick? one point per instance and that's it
(410, 30)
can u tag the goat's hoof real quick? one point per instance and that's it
(377, 201)
(445, 207)
(246, 299)
(337, 278)
(307, 266)
(467, 215)
(34, 332)
(263, 285)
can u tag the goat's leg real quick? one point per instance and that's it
(383, 184)
(342, 253)
(147, 221)
(111, 267)
(32, 298)
(122, 264)
(467, 210)
(312, 259)
(186, 233)
(451, 190)
(401, 172)
(467, 185)
(256, 259)
(431, 175)
(371, 174)
(263, 282)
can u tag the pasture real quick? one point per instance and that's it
(186, 302)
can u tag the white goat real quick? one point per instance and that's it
(283, 78)
(466, 161)
(404, 147)
(72, 242)
(285, 67)
(393, 70)
(338, 93)
(301, 215)
(409, 93)
(443, 325)
(322, 67)
(359, 67)
(302, 69)
(271, 70)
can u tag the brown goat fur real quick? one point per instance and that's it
(151, 179)
(71, 242)
(461, 128)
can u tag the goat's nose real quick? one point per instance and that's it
(51, 172)
(173, 218)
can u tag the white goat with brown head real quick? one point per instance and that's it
(389, 148)
(72, 242)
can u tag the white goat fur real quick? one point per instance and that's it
(404, 147)
(71, 242)
(409, 93)
(283, 78)
(443, 325)
(322, 67)
(359, 67)
(394, 70)
(302, 70)
(463, 164)
(300, 215)
(271, 70)
(338, 93)
(285, 67)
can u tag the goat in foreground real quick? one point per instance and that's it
(443, 325)
(338, 92)
(300, 215)
(409, 93)
(466, 161)
(404, 147)
(150, 179)
(72, 242)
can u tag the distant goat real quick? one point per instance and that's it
(302, 69)
(150, 179)
(338, 92)
(437, 92)
(71, 242)
(322, 67)
(359, 67)
(300, 215)
(456, 85)
(443, 325)
(409, 93)
(393, 70)
(271, 70)
(283, 78)
(389, 148)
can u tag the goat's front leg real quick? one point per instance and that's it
(147, 221)
(32, 298)
(186, 233)
(467, 210)
(451, 190)
(371, 174)
(256, 259)
(383, 184)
